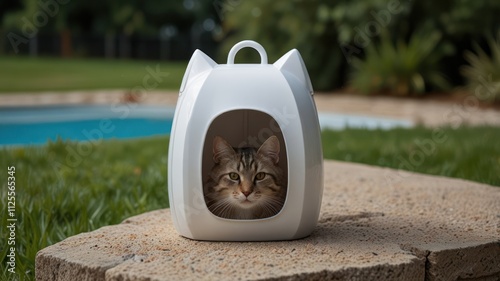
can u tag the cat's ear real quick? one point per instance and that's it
(271, 149)
(222, 149)
(198, 63)
(293, 64)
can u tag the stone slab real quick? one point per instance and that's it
(375, 224)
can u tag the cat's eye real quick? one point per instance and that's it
(260, 176)
(234, 176)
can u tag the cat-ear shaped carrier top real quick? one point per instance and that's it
(245, 159)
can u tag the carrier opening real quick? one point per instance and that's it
(244, 166)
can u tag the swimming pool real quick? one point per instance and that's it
(37, 125)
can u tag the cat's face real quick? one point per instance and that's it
(246, 183)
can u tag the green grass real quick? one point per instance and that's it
(25, 74)
(59, 195)
(470, 153)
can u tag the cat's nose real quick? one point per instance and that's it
(246, 193)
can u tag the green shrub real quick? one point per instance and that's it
(320, 30)
(401, 68)
(483, 73)
(330, 33)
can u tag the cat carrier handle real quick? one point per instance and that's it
(247, 43)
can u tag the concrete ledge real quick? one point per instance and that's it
(375, 224)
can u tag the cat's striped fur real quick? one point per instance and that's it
(245, 183)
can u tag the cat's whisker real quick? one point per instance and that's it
(228, 209)
(219, 206)
(272, 205)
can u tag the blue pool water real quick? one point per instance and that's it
(82, 130)
(37, 125)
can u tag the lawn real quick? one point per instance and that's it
(26, 74)
(60, 194)
(471, 153)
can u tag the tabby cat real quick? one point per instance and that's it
(245, 183)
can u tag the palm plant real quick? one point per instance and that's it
(483, 73)
(403, 68)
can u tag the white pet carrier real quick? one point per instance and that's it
(246, 104)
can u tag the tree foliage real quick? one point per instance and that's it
(101, 17)
(329, 34)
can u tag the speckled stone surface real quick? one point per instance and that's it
(375, 224)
